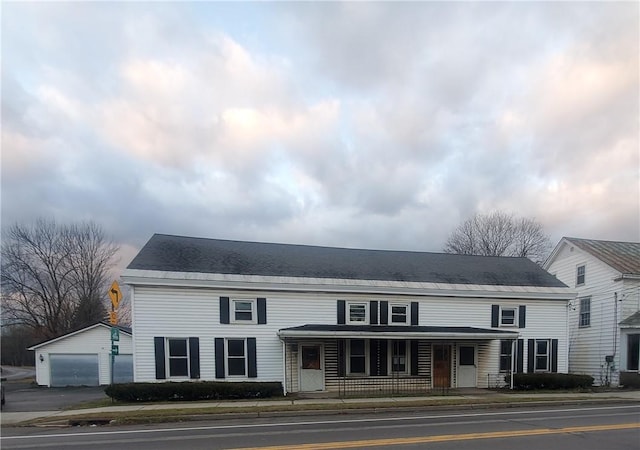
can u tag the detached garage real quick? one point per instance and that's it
(83, 358)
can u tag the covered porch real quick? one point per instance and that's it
(353, 360)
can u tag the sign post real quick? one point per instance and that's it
(115, 295)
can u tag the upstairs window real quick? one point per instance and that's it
(585, 312)
(357, 313)
(243, 311)
(399, 314)
(581, 275)
(508, 317)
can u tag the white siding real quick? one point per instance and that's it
(611, 302)
(190, 312)
(92, 341)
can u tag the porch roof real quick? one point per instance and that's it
(394, 332)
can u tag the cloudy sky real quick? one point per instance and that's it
(375, 125)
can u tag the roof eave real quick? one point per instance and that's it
(400, 334)
(137, 277)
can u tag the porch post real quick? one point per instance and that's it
(284, 367)
(513, 362)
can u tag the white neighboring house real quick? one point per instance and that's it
(340, 320)
(604, 319)
(83, 358)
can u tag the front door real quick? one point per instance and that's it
(467, 366)
(311, 368)
(441, 366)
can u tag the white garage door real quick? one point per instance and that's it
(74, 370)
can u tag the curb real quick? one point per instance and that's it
(107, 420)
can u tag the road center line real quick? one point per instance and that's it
(446, 437)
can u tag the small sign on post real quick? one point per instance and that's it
(113, 318)
(114, 350)
(115, 334)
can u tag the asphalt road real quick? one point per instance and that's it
(27, 396)
(601, 427)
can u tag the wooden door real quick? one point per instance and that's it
(441, 366)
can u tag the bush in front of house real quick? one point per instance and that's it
(192, 391)
(533, 381)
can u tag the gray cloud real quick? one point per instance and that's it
(358, 124)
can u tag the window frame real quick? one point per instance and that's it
(233, 311)
(407, 357)
(505, 356)
(349, 320)
(407, 313)
(515, 316)
(584, 314)
(228, 357)
(365, 357)
(169, 358)
(582, 275)
(546, 355)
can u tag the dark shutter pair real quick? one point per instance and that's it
(225, 313)
(194, 357)
(495, 316)
(252, 368)
(531, 357)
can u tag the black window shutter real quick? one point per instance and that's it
(341, 312)
(373, 312)
(495, 316)
(262, 311)
(219, 344)
(520, 356)
(554, 355)
(384, 347)
(194, 357)
(414, 313)
(531, 351)
(378, 357)
(224, 309)
(158, 345)
(384, 312)
(522, 316)
(252, 367)
(374, 357)
(414, 358)
(342, 362)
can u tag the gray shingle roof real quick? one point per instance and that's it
(622, 256)
(189, 254)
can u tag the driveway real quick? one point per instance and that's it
(27, 396)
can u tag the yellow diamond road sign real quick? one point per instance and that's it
(115, 294)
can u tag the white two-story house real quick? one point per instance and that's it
(604, 318)
(340, 320)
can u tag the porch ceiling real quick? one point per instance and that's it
(394, 332)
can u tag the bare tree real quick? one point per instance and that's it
(500, 234)
(54, 277)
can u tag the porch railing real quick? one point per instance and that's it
(385, 386)
(497, 380)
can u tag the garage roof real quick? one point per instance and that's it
(122, 329)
